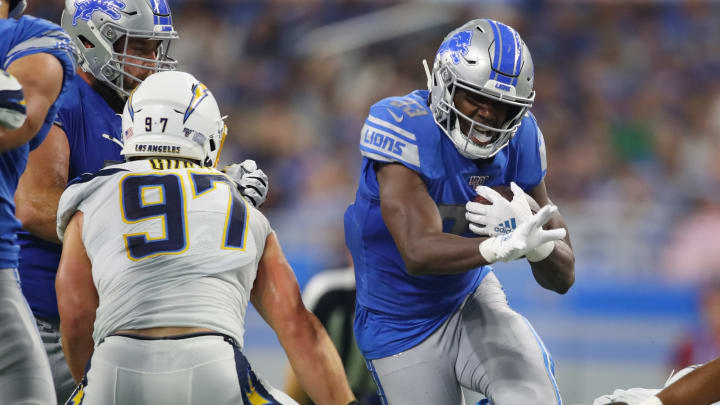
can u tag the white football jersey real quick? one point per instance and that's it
(171, 244)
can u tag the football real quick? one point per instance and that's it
(506, 192)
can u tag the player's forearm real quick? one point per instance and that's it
(12, 139)
(442, 253)
(315, 361)
(77, 344)
(697, 388)
(557, 271)
(37, 210)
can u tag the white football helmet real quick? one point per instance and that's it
(96, 26)
(173, 114)
(488, 58)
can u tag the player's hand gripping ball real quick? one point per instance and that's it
(499, 210)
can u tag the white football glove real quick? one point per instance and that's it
(526, 237)
(12, 102)
(252, 182)
(633, 396)
(503, 216)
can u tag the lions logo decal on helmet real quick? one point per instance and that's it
(84, 9)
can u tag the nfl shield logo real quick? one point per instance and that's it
(477, 181)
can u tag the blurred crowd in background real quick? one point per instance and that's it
(628, 99)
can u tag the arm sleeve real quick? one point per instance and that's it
(383, 140)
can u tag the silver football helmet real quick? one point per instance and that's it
(488, 58)
(16, 8)
(96, 26)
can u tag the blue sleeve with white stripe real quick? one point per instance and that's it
(30, 35)
(402, 130)
(383, 139)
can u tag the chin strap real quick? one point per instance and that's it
(110, 138)
(427, 73)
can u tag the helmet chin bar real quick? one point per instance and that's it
(465, 145)
(463, 141)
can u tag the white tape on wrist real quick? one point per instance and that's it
(488, 250)
(541, 252)
(652, 401)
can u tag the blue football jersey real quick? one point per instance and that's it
(84, 116)
(19, 38)
(395, 310)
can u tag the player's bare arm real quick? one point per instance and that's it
(700, 387)
(415, 224)
(42, 184)
(41, 77)
(77, 299)
(276, 296)
(557, 271)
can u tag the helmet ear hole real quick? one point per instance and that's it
(86, 42)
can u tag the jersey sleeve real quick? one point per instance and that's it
(385, 139)
(77, 191)
(40, 36)
(260, 229)
(532, 159)
(69, 203)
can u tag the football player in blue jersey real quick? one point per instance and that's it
(431, 317)
(36, 64)
(121, 42)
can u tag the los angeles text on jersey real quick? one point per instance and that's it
(156, 148)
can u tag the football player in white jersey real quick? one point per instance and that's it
(161, 255)
(694, 385)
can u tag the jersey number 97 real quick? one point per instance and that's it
(139, 203)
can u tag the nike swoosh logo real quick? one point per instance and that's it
(397, 119)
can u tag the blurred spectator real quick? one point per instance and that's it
(702, 344)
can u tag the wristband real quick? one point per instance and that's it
(488, 250)
(541, 252)
(652, 401)
(355, 402)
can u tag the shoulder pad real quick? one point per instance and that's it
(384, 141)
(77, 191)
(390, 133)
(45, 37)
